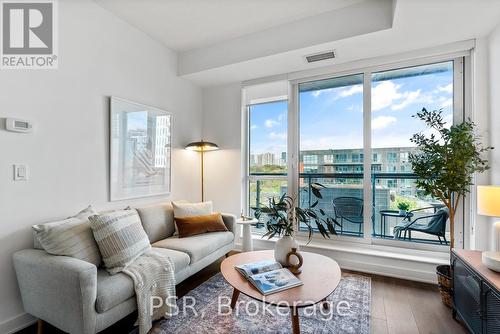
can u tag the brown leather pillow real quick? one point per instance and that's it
(193, 225)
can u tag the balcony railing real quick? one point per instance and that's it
(347, 190)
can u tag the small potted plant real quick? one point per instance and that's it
(403, 207)
(283, 216)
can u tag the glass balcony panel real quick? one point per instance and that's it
(342, 199)
(389, 191)
(261, 192)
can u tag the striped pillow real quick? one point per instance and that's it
(121, 238)
(70, 237)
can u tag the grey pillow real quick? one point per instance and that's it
(120, 237)
(70, 237)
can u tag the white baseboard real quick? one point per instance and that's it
(420, 269)
(16, 323)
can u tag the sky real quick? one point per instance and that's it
(332, 118)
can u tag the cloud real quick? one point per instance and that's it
(382, 122)
(447, 103)
(384, 94)
(388, 94)
(355, 89)
(253, 127)
(317, 93)
(277, 136)
(409, 98)
(317, 142)
(269, 123)
(355, 108)
(351, 91)
(447, 89)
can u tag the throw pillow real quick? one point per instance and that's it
(193, 225)
(184, 209)
(120, 237)
(70, 237)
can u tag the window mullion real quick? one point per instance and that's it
(293, 142)
(367, 136)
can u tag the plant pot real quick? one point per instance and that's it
(402, 212)
(283, 247)
(445, 284)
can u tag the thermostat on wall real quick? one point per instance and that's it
(18, 125)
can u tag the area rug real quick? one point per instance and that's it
(205, 310)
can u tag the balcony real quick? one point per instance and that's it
(346, 190)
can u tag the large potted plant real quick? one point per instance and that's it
(445, 163)
(282, 216)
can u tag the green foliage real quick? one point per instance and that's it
(412, 203)
(446, 160)
(282, 216)
(404, 205)
(268, 169)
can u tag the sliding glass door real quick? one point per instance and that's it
(331, 148)
(396, 96)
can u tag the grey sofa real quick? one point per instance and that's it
(77, 297)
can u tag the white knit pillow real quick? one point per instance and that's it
(184, 209)
(121, 238)
(70, 237)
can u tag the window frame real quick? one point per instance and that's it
(249, 177)
(462, 109)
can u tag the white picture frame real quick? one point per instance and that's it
(140, 144)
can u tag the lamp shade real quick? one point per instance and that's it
(201, 146)
(488, 200)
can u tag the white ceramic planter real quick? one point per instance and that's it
(283, 247)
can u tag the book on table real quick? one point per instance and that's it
(268, 276)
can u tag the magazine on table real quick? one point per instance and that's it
(268, 276)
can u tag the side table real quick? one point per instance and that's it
(390, 213)
(247, 233)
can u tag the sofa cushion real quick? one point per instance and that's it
(70, 237)
(186, 209)
(113, 290)
(197, 246)
(189, 226)
(157, 220)
(120, 237)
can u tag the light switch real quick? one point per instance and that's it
(20, 172)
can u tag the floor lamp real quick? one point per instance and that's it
(202, 147)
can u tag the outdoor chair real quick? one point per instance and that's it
(434, 224)
(349, 209)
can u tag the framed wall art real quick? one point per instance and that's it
(140, 150)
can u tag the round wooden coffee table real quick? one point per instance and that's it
(320, 275)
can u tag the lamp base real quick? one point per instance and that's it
(491, 260)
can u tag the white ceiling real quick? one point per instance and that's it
(221, 27)
(190, 24)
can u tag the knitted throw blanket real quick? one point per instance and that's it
(154, 283)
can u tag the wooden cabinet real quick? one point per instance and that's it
(476, 298)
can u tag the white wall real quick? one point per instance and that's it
(99, 56)
(487, 117)
(480, 227)
(494, 102)
(222, 125)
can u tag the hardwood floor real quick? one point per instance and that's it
(397, 307)
(406, 307)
